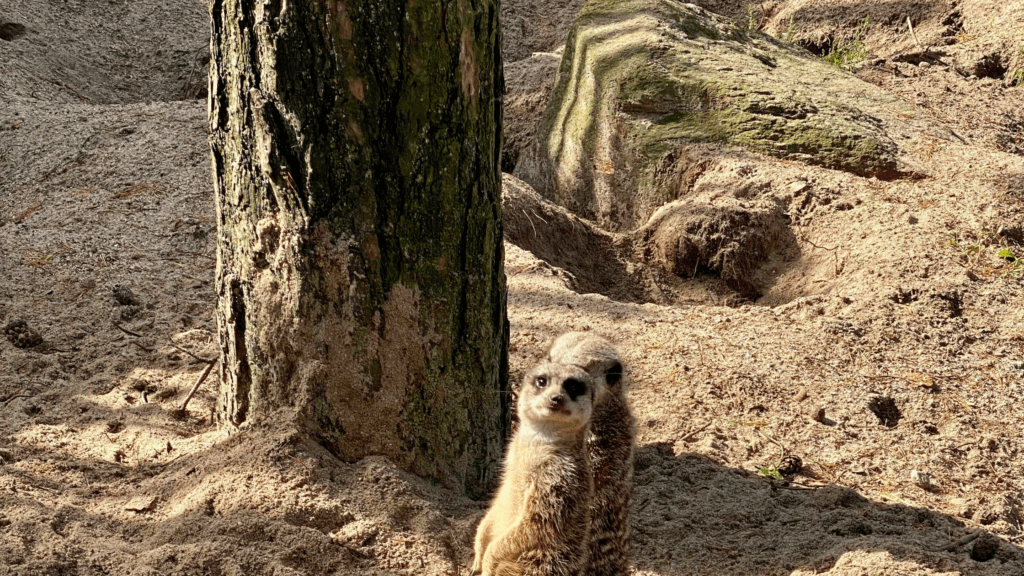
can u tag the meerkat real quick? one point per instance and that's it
(539, 522)
(613, 430)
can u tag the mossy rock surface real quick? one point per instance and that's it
(641, 79)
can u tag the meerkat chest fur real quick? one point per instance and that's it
(554, 478)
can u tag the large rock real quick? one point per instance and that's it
(642, 80)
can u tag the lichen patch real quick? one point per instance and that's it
(467, 65)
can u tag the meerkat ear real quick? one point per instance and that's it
(614, 374)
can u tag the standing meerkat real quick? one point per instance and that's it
(611, 448)
(539, 522)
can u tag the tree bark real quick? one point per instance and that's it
(355, 150)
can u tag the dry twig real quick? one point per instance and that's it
(972, 536)
(833, 250)
(195, 60)
(697, 431)
(125, 330)
(140, 346)
(914, 34)
(195, 387)
(16, 396)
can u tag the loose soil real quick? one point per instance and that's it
(885, 348)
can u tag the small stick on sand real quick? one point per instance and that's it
(140, 346)
(914, 34)
(697, 431)
(126, 331)
(16, 396)
(195, 387)
(965, 540)
(195, 60)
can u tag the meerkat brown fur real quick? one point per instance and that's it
(613, 431)
(539, 522)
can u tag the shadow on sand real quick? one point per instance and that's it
(691, 515)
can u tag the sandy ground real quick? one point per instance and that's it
(889, 290)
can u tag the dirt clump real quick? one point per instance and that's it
(720, 245)
(124, 296)
(21, 334)
(728, 237)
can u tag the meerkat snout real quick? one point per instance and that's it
(557, 401)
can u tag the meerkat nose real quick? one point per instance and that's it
(557, 400)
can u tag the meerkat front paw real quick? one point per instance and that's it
(487, 565)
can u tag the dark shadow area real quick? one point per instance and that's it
(10, 31)
(691, 515)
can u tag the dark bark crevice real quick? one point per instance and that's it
(243, 376)
(288, 149)
(217, 91)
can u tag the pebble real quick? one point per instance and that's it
(124, 295)
(818, 413)
(922, 479)
(798, 187)
(21, 334)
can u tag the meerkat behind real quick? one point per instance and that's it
(613, 431)
(539, 522)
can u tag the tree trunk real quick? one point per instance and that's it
(356, 170)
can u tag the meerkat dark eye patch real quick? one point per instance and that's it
(614, 374)
(574, 388)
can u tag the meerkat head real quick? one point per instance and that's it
(593, 354)
(556, 397)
